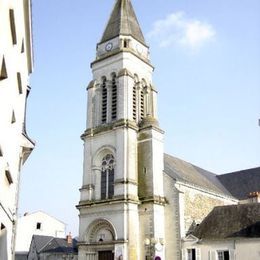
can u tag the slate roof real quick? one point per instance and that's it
(21, 255)
(233, 221)
(123, 21)
(48, 244)
(241, 183)
(188, 173)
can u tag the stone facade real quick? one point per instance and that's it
(122, 201)
(133, 205)
(15, 146)
(198, 204)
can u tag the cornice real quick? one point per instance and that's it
(118, 51)
(116, 200)
(121, 123)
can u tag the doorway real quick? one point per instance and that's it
(105, 255)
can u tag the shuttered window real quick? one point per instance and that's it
(104, 102)
(141, 104)
(114, 98)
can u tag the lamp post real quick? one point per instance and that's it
(153, 247)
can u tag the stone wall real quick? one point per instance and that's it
(198, 204)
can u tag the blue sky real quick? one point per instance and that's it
(207, 71)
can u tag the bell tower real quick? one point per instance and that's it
(122, 198)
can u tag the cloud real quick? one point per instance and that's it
(176, 28)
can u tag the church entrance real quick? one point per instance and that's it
(105, 255)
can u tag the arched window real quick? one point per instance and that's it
(114, 98)
(107, 177)
(104, 102)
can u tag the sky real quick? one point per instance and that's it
(207, 72)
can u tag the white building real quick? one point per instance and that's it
(16, 64)
(137, 202)
(37, 223)
(227, 233)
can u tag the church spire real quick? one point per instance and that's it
(123, 21)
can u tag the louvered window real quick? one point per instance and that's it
(104, 102)
(134, 102)
(107, 177)
(114, 98)
(141, 104)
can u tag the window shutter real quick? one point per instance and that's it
(183, 254)
(212, 255)
(198, 254)
(232, 254)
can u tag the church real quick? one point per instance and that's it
(136, 202)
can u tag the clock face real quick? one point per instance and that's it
(109, 46)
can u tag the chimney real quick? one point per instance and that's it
(254, 196)
(69, 239)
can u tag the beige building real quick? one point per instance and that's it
(136, 202)
(16, 64)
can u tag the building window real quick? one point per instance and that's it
(2, 226)
(191, 253)
(134, 102)
(3, 71)
(141, 104)
(223, 255)
(114, 98)
(38, 225)
(104, 102)
(8, 177)
(12, 26)
(19, 83)
(125, 43)
(22, 46)
(13, 120)
(107, 177)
